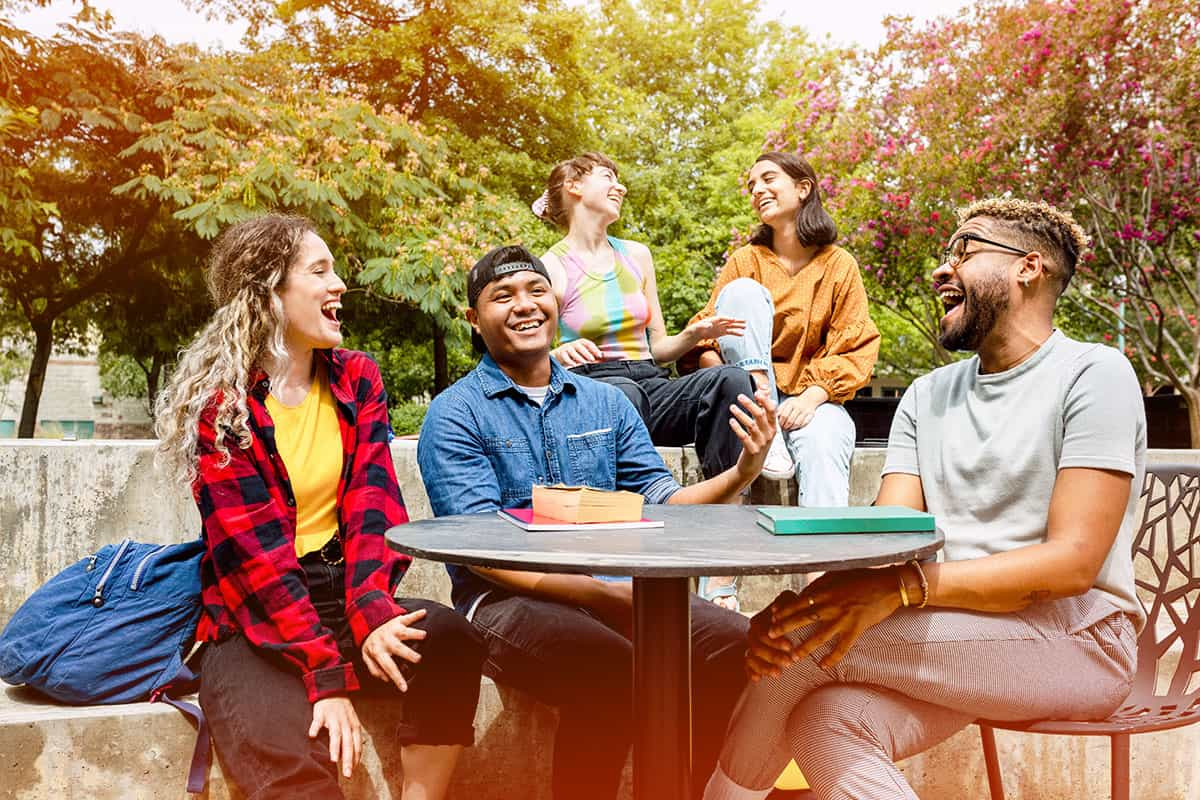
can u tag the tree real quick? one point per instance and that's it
(405, 217)
(1092, 105)
(74, 107)
(144, 328)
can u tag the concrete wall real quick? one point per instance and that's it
(59, 501)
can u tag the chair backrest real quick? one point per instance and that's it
(1166, 555)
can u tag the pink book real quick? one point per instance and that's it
(525, 519)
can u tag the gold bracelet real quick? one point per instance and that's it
(924, 583)
(903, 588)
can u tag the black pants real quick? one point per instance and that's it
(677, 411)
(259, 712)
(567, 658)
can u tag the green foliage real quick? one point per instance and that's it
(65, 125)
(406, 358)
(121, 376)
(407, 418)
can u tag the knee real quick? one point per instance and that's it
(744, 293)
(451, 643)
(604, 676)
(826, 719)
(831, 433)
(731, 381)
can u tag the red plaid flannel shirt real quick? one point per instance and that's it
(252, 581)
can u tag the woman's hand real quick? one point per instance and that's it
(577, 353)
(386, 643)
(715, 327)
(796, 412)
(336, 715)
(838, 605)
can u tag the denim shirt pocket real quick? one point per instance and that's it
(512, 461)
(593, 458)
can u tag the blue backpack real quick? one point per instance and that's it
(114, 628)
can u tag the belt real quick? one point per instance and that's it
(330, 552)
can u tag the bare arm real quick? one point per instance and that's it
(611, 602)
(754, 425)
(667, 348)
(580, 351)
(1086, 509)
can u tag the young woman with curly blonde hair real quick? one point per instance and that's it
(283, 437)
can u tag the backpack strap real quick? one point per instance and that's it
(202, 753)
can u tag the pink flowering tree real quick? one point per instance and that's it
(1093, 105)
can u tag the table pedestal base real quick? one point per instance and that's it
(662, 689)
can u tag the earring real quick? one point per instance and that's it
(1025, 283)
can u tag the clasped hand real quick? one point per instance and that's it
(837, 607)
(796, 412)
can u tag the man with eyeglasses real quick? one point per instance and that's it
(1029, 455)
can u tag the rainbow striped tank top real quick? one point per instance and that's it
(609, 309)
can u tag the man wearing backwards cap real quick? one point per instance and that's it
(518, 419)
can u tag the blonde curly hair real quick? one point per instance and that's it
(1038, 226)
(245, 273)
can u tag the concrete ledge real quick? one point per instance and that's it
(60, 501)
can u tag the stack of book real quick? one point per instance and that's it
(580, 507)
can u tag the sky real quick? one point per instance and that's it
(844, 21)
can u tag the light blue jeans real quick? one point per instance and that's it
(822, 448)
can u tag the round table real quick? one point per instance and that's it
(696, 540)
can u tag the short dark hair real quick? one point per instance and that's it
(814, 226)
(487, 269)
(1039, 226)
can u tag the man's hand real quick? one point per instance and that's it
(336, 715)
(387, 643)
(714, 328)
(577, 353)
(754, 425)
(796, 412)
(838, 606)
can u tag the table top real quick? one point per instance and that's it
(696, 540)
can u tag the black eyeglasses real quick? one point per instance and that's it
(957, 251)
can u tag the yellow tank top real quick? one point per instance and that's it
(310, 444)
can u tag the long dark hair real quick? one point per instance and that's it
(814, 226)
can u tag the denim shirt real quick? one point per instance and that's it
(484, 443)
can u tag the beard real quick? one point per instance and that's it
(981, 307)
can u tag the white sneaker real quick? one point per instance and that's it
(778, 464)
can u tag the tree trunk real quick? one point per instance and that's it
(43, 331)
(152, 379)
(441, 363)
(1192, 398)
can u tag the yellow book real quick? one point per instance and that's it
(583, 504)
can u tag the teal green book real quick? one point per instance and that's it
(852, 519)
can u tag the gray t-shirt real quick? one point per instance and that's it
(988, 448)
